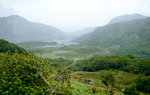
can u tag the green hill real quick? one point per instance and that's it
(27, 44)
(7, 46)
(126, 17)
(123, 37)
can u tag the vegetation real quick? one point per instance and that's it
(120, 38)
(131, 90)
(69, 52)
(110, 82)
(126, 63)
(28, 44)
(143, 84)
(98, 66)
(6, 46)
(103, 82)
(29, 74)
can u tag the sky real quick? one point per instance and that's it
(73, 15)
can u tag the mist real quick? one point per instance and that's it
(73, 15)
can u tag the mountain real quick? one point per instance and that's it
(17, 28)
(123, 37)
(85, 31)
(126, 17)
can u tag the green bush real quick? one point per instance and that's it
(143, 84)
(21, 74)
(131, 90)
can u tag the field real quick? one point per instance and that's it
(71, 52)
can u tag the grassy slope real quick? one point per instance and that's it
(124, 37)
(82, 87)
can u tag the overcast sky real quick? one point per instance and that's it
(73, 15)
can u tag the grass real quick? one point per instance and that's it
(72, 51)
(83, 89)
(96, 76)
(81, 81)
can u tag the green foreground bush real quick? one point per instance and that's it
(23, 74)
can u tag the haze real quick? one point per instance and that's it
(73, 15)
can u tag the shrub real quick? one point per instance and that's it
(131, 90)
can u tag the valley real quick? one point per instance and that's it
(113, 59)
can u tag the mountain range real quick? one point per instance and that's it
(126, 17)
(84, 31)
(17, 28)
(131, 36)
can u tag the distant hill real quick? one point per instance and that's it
(85, 30)
(126, 17)
(28, 44)
(123, 37)
(7, 46)
(17, 28)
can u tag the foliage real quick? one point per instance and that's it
(29, 74)
(143, 84)
(126, 63)
(6, 46)
(116, 80)
(68, 52)
(83, 89)
(121, 38)
(60, 62)
(28, 44)
(109, 80)
(131, 90)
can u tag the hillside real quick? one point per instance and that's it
(16, 28)
(84, 31)
(126, 17)
(28, 44)
(7, 46)
(28, 74)
(124, 37)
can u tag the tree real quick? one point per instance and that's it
(109, 81)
